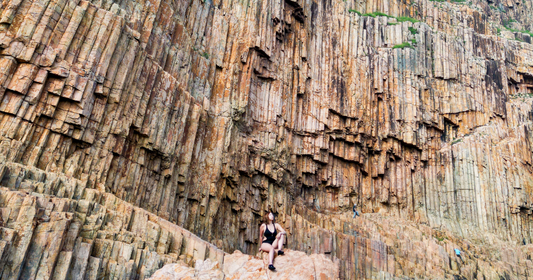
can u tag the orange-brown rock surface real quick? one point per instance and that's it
(130, 127)
(238, 266)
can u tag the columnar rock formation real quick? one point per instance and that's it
(208, 113)
(66, 231)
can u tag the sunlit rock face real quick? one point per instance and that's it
(238, 266)
(130, 128)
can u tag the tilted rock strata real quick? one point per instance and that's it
(208, 113)
(55, 228)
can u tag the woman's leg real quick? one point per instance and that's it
(274, 247)
(268, 248)
(275, 244)
(280, 241)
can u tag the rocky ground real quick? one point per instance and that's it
(238, 266)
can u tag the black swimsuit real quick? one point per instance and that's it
(270, 236)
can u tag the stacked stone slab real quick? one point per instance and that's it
(53, 227)
(208, 113)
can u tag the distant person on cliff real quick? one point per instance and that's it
(458, 253)
(272, 236)
(355, 213)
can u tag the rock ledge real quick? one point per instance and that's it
(292, 265)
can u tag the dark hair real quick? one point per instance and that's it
(265, 217)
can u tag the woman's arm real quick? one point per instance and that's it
(261, 230)
(281, 231)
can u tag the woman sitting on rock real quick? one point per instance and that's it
(271, 235)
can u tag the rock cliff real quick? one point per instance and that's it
(128, 127)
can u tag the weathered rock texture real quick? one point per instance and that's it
(207, 113)
(238, 266)
(66, 231)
